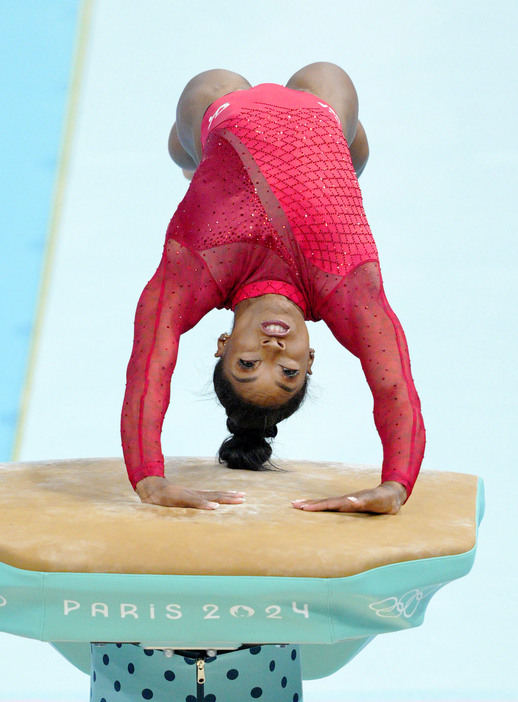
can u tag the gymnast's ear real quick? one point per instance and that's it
(310, 361)
(222, 340)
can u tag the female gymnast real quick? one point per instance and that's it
(272, 227)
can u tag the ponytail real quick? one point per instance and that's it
(250, 425)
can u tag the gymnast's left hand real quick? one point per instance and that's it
(156, 490)
(387, 498)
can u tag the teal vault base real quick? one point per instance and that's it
(327, 621)
(331, 619)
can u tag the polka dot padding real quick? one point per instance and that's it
(129, 673)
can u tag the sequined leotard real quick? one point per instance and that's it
(273, 207)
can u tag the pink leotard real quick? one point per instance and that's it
(273, 207)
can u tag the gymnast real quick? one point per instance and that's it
(272, 226)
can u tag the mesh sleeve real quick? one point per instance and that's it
(358, 314)
(180, 293)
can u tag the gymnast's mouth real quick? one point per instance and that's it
(275, 328)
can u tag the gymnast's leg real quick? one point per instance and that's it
(331, 83)
(199, 93)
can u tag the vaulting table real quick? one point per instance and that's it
(240, 602)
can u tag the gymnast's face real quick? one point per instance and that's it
(267, 355)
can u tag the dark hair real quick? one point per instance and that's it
(250, 424)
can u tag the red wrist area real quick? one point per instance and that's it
(398, 477)
(145, 471)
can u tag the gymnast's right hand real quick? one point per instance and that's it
(155, 490)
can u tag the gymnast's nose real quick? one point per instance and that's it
(274, 344)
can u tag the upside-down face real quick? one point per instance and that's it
(267, 355)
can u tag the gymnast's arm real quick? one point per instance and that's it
(360, 317)
(180, 293)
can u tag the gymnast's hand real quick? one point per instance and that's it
(155, 490)
(387, 498)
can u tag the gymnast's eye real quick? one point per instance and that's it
(290, 372)
(248, 365)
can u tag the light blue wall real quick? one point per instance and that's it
(37, 42)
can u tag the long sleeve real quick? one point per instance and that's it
(358, 314)
(180, 293)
